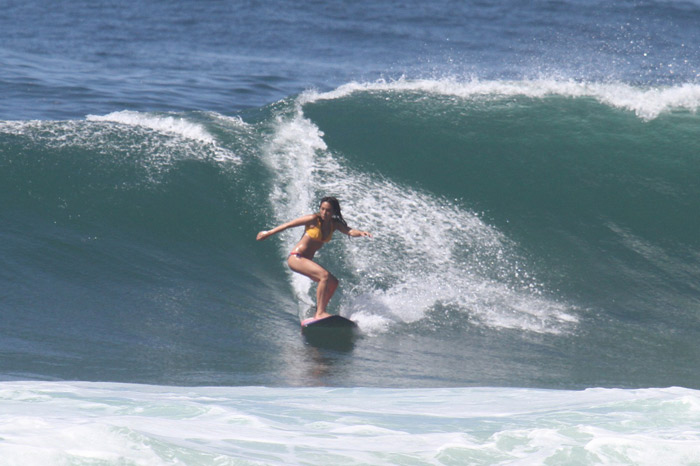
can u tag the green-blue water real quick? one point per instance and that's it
(557, 228)
(529, 172)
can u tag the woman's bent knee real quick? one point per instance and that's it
(332, 281)
(328, 277)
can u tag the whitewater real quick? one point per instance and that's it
(80, 423)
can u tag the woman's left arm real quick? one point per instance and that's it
(351, 231)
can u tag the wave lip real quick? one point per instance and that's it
(178, 126)
(165, 124)
(647, 103)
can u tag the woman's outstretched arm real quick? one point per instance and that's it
(306, 219)
(351, 231)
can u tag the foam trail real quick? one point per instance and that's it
(469, 266)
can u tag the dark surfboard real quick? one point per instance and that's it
(335, 332)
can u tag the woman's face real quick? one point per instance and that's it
(326, 211)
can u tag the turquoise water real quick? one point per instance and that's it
(529, 172)
(552, 223)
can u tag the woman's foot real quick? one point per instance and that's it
(321, 315)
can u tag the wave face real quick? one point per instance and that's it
(550, 220)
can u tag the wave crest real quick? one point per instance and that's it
(647, 103)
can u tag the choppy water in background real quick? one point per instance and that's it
(529, 171)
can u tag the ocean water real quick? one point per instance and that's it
(99, 423)
(529, 171)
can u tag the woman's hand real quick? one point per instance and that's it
(360, 233)
(262, 235)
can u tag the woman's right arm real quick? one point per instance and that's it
(294, 223)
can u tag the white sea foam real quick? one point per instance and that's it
(163, 137)
(177, 126)
(647, 103)
(87, 423)
(290, 155)
(165, 124)
(427, 251)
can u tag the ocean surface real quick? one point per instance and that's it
(530, 172)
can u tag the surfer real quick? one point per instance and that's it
(319, 229)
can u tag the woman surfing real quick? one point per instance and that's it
(318, 230)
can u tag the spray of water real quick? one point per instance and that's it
(428, 252)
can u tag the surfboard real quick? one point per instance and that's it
(332, 322)
(333, 332)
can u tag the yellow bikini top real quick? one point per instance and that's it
(315, 231)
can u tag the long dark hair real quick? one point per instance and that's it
(337, 215)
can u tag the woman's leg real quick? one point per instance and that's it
(327, 283)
